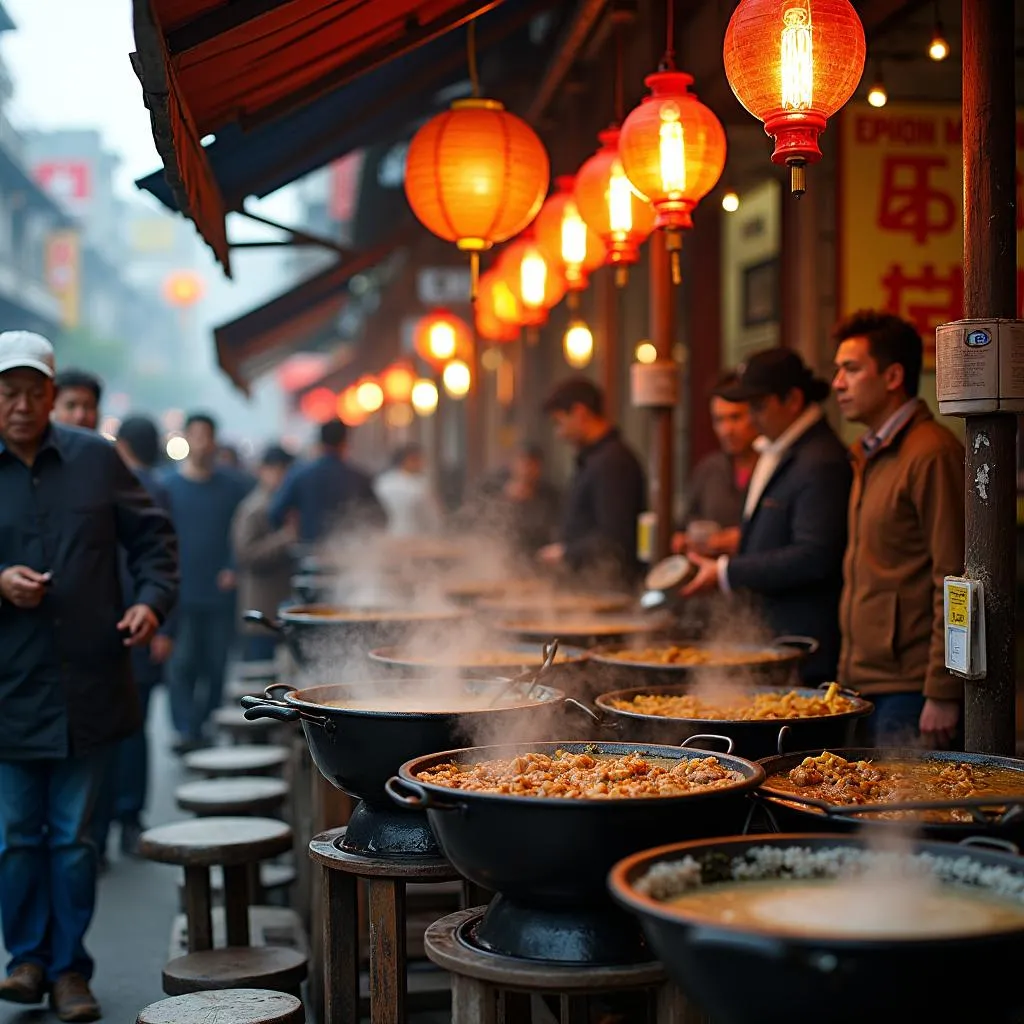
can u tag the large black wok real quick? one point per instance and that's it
(754, 739)
(744, 975)
(548, 858)
(792, 813)
(359, 750)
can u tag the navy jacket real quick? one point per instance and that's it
(792, 547)
(65, 675)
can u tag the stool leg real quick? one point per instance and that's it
(473, 1001)
(573, 1009)
(197, 909)
(474, 896)
(236, 903)
(675, 1008)
(386, 913)
(515, 1008)
(340, 947)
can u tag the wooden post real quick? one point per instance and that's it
(990, 290)
(662, 320)
(611, 357)
(474, 422)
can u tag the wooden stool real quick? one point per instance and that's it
(239, 1006)
(241, 795)
(487, 987)
(217, 762)
(232, 723)
(265, 967)
(264, 879)
(385, 880)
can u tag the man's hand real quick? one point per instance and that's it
(140, 623)
(160, 649)
(23, 587)
(939, 719)
(725, 542)
(552, 554)
(226, 580)
(706, 579)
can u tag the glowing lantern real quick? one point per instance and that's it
(397, 381)
(578, 344)
(457, 378)
(793, 64)
(369, 395)
(496, 314)
(672, 149)
(350, 411)
(536, 283)
(183, 288)
(440, 336)
(611, 207)
(424, 397)
(399, 416)
(476, 175)
(565, 236)
(318, 405)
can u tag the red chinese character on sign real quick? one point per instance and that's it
(926, 299)
(909, 202)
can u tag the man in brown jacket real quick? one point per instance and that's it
(906, 532)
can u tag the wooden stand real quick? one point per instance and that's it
(385, 881)
(488, 988)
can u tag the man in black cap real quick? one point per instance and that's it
(793, 534)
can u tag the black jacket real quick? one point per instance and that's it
(65, 675)
(792, 547)
(607, 495)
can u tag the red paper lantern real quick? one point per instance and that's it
(397, 381)
(564, 234)
(535, 280)
(672, 148)
(350, 412)
(496, 313)
(793, 64)
(440, 336)
(319, 405)
(609, 204)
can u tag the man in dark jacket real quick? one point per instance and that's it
(65, 676)
(793, 535)
(608, 492)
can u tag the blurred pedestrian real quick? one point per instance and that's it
(204, 498)
(264, 555)
(78, 397)
(407, 494)
(65, 676)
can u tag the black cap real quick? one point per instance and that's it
(775, 371)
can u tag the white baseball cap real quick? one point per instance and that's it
(23, 349)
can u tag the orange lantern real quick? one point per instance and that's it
(440, 336)
(610, 206)
(793, 64)
(350, 412)
(496, 312)
(369, 395)
(397, 381)
(476, 175)
(535, 280)
(318, 405)
(672, 149)
(183, 288)
(567, 237)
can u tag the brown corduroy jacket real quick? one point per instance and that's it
(906, 533)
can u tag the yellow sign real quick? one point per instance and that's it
(63, 273)
(901, 225)
(959, 611)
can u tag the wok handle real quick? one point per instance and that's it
(727, 740)
(268, 691)
(991, 842)
(806, 643)
(415, 797)
(592, 714)
(780, 743)
(262, 707)
(258, 618)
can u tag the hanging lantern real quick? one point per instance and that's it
(793, 64)
(440, 336)
(578, 344)
(567, 238)
(424, 397)
(611, 207)
(369, 395)
(397, 381)
(350, 411)
(476, 175)
(535, 281)
(496, 312)
(318, 405)
(457, 379)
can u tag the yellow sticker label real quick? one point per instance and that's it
(959, 606)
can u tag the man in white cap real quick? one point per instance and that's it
(65, 680)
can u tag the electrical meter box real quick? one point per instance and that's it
(979, 367)
(964, 618)
(654, 385)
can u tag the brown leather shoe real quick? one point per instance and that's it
(25, 984)
(71, 999)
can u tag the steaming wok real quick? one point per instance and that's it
(740, 974)
(548, 858)
(499, 659)
(998, 817)
(753, 738)
(554, 603)
(582, 631)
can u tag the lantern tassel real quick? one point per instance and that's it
(674, 244)
(621, 275)
(474, 276)
(798, 178)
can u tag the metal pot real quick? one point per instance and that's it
(791, 812)
(548, 858)
(754, 739)
(406, 661)
(743, 975)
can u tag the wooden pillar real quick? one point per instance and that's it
(801, 276)
(475, 422)
(608, 332)
(662, 320)
(990, 282)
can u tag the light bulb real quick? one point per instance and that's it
(457, 378)
(730, 202)
(177, 448)
(369, 396)
(797, 64)
(578, 345)
(424, 397)
(646, 353)
(877, 96)
(938, 48)
(671, 149)
(574, 236)
(620, 200)
(533, 278)
(442, 340)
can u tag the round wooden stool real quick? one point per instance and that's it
(240, 795)
(231, 843)
(239, 1006)
(251, 759)
(385, 880)
(238, 729)
(265, 967)
(489, 987)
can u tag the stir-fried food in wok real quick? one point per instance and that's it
(690, 655)
(585, 776)
(771, 704)
(834, 780)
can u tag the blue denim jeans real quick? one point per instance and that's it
(197, 667)
(48, 860)
(258, 648)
